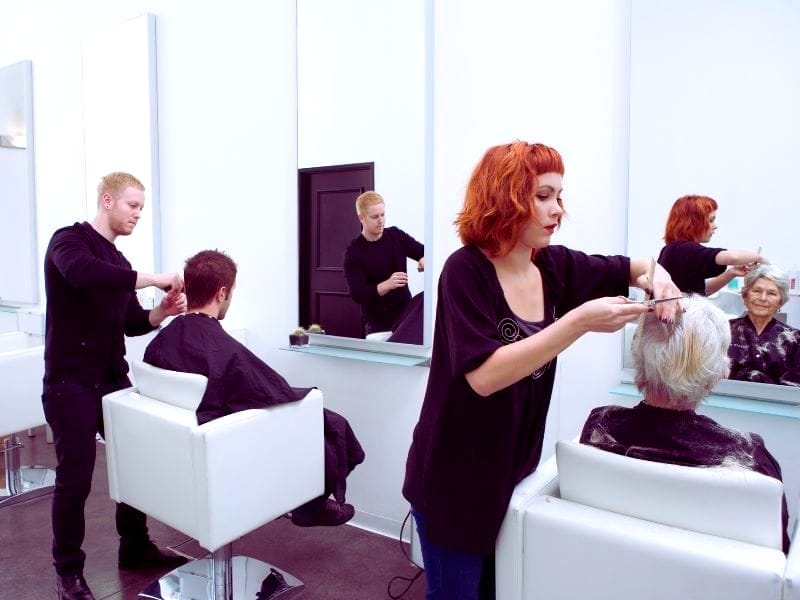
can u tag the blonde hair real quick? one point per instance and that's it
(681, 362)
(367, 199)
(115, 183)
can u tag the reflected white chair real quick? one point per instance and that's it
(214, 482)
(21, 372)
(378, 336)
(606, 526)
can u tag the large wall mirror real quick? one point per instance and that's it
(19, 268)
(121, 128)
(363, 113)
(714, 111)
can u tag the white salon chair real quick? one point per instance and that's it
(607, 526)
(214, 482)
(21, 372)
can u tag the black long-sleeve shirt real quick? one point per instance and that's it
(366, 264)
(91, 306)
(690, 264)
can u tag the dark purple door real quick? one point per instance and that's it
(327, 224)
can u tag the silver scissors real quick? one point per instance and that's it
(654, 301)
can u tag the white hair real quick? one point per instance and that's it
(681, 362)
(774, 274)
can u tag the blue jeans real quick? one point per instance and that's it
(454, 575)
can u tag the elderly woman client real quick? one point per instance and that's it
(762, 348)
(676, 366)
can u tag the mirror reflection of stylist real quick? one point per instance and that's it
(762, 348)
(508, 304)
(694, 267)
(375, 265)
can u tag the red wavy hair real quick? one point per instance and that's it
(688, 219)
(498, 202)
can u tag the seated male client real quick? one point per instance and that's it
(239, 380)
(676, 365)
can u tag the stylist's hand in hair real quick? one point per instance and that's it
(663, 287)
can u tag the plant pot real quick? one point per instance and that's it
(298, 340)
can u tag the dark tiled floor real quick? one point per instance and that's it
(336, 563)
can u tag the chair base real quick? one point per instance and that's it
(193, 581)
(33, 482)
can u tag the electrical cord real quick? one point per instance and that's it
(410, 580)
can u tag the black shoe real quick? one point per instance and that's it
(332, 513)
(134, 556)
(72, 587)
(274, 587)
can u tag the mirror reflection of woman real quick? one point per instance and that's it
(508, 304)
(763, 349)
(696, 268)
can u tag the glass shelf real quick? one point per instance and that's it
(763, 407)
(365, 355)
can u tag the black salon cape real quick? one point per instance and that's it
(239, 380)
(678, 437)
(409, 326)
(773, 356)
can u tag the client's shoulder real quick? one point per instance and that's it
(600, 418)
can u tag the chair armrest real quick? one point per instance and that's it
(792, 577)
(273, 458)
(21, 373)
(510, 541)
(149, 456)
(12, 341)
(577, 551)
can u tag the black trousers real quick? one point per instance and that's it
(74, 413)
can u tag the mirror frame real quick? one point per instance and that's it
(428, 279)
(744, 389)
(19, 137)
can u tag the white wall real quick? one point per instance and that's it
(382, 403)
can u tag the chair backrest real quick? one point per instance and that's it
(172, 387)
(732, 503)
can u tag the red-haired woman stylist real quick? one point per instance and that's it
(696, 268)
(508, 304)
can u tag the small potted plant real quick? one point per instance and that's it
(298, 337)
(315, 328)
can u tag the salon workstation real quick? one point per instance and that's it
(250, 127)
